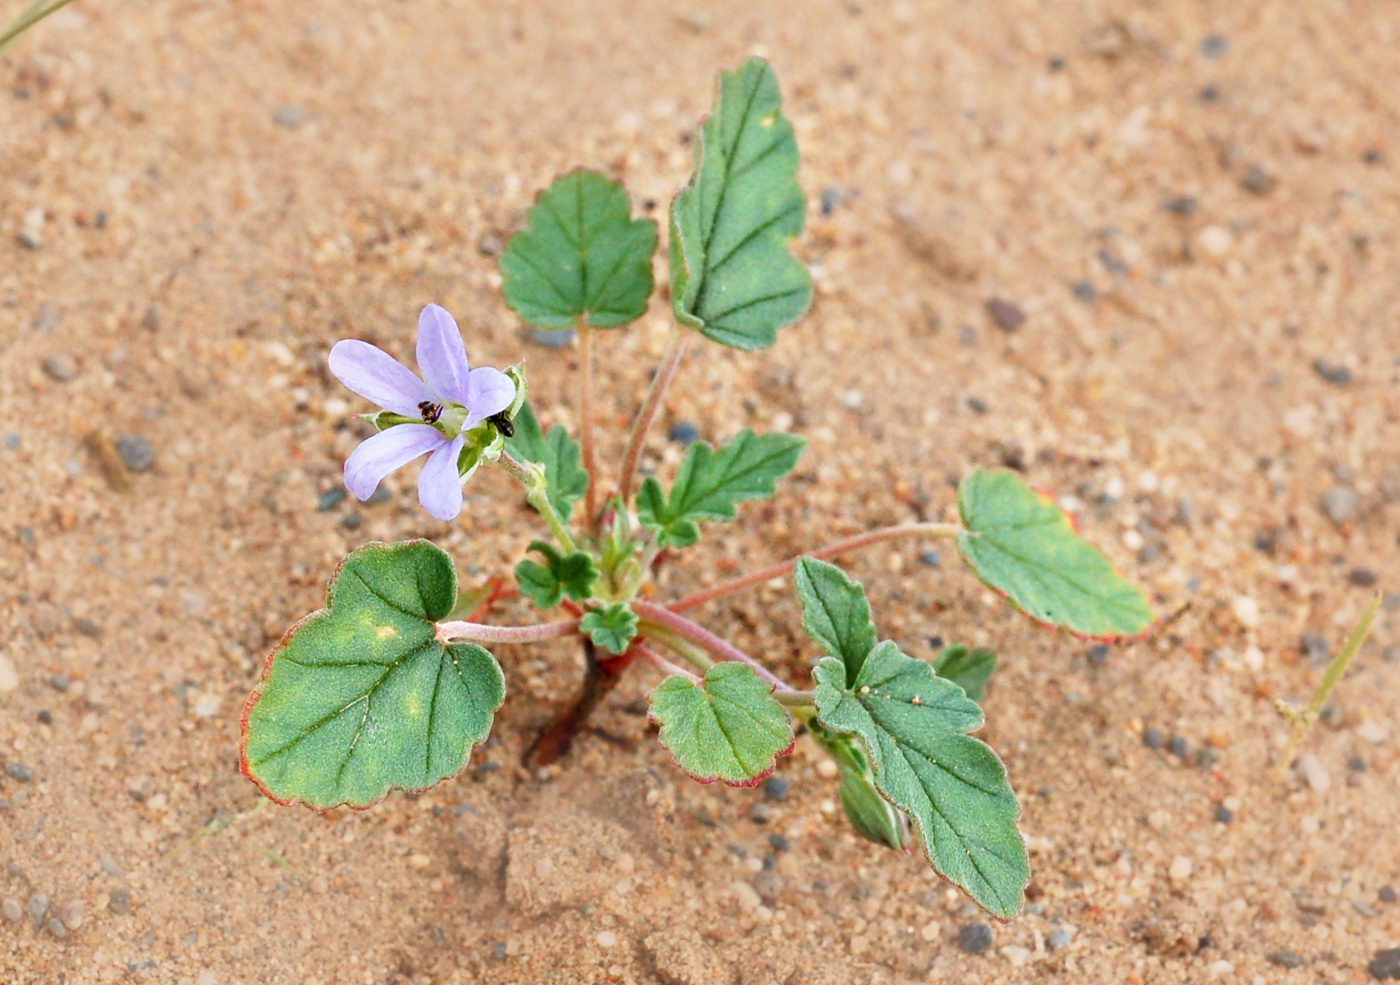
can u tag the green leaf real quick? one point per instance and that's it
(913, 724)
(557, 452)
(968, 669)
(835, 612)
(1024, 546)
(732, 276)
(870, 814)
(613, 627)
(546, 585)
(728, 727)
(580, 255)
(361, 698)
(711, 484)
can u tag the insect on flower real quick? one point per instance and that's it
(451, 400)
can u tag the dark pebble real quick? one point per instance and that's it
(1209, 94)
(499, 950)
(119, 901)
(352, 521)
(683, 433)
(1356, 764)
(1334, 373)
(1152, 739)
(1372, 155)
(1008, 316)
(778, 842)
(1059, 940)
(1149, 553)
(775, 788)
(1214, 46)
(1315, 648)
(967, 335)
(1362, 577)
(87, 627)
(136, 452)
(61, 367)
(975, 938)
(60, 682)
(1098, 655)
(930, 558)
(1223, 814)
(1257, 181)
(290, 116)
(330, 499)
(1386, 964)
(45, 717)
(978, 405)
(1266, 541)
(380, 495)
(1387, 894)
(12, 442)
(1178, 746)
(1085, 291)
(831, 197)
(1180, 205)
(19, 772)
(1285, 959)
(1207, 757)
(550, 339)
(760, 814)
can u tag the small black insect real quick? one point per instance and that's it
(503, 424)
(430, 411)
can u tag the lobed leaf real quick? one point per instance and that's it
(613, 627)
(580, 255)
(557, 452)
(360, 697)
(1021, 544)
(727, 727)
(711, 484)
(835, 612)
(969, 669)
(546, 584)
(732, 276)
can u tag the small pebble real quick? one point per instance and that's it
(975, 938)
(30, 239)
(1257, 181)
(136, 452)
(550, 339)
(1387, 894)
(1085, 291)
(1246, 610)
(1285, 959)
(683, 433)
(1152, 739)
(831, 197)
(1178, 746)
(775, 788)
(1098, 656)
(330, 499)
(930, 557)
(1215, 241)
(1362, 577)
(1315, 648)
(12, 910)
(1334, 373)
(1223, 814)
(1007, 316)
(61, 367)
(119, 901)
(60, 682)
(1180, 205)
(1339, 503)
(1059, 939)
(778, 842)
(977, 405)
(13, 441)
(1385, 964)
(109, 865)
(606, 938)
(352, 521)
(56, 928)
(760, 813)
(19, 772)
(1207, 757)
(1356, 764)
(1214, 46)
(38, 906)
(853, 400)
(499, 950)
(71, 913)
(290, 116)
(1181, 868)
(9, 677)
(1312, 772)
(87, 627)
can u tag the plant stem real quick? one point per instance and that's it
(831, 550)
(797, 699)
(660, 383)
(698, 634)
(585, 385)
(664, 665)
(476, 632)
(537, 495)
(698, 658)
(28, 19)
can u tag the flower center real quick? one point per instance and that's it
(430, 411)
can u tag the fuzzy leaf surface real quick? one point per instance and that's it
(711, 484)
(914, 726)
(835, 612)
(546, 584)
(1023, 545)
(613, 627)
(728, 727)
(580, 255)
(732, 276)
(970, 669)
(361, 698)
(557, 452)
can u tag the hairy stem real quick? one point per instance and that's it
(796, 699)
(537, 495)
(476, 632)
(585, 386)
(831, 550)
(28, 19)
(660, 383)
(697, 657)
(664, 665)
(701, 636)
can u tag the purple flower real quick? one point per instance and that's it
(454, 400)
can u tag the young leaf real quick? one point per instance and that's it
(360, 697)
(580, 255)
(712, 483)
(913, 724)
(1023, 545)
(968, 669)
(732, 276)
(870, 814)
(612, 627)
(835, 612)
(557, 452)
(728, 727)
(546, 584)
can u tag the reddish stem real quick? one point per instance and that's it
(702, 637)
(670, 362)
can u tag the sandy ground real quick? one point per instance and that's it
(1191, 203)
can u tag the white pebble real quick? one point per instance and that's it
(206, 705)
(1215, 241)
(748, 897)
(606, 938)
(1181, 868)
(1310, 768)
(9, 677)
(1246, 610)
(1372, 731)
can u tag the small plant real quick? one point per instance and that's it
(391, 685)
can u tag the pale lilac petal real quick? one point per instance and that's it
(439, 486)
(442, 357)
(489, 391)
(378, 377)
(379, 455)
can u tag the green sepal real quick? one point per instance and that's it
(612, 627)
(1024, 546)
(556, 452)
(580, 256)
(970, 669)
(383, 420)
(546, 585)
(712, 483)
(727, 727)
(872, 816)
(361, 697)
(732, 276)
